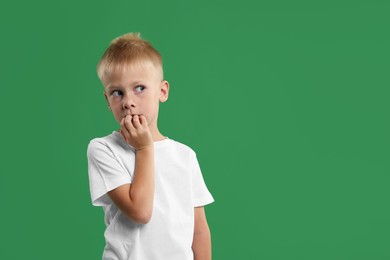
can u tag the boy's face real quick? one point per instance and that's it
(136, 91)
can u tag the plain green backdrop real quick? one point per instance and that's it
(285, 102)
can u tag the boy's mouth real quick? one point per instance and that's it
(132, 115)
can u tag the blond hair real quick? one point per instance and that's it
(128, 49)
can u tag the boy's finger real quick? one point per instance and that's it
(128, 124)
(123, 126)
(124, 132)
(143, 120)
(136, 121)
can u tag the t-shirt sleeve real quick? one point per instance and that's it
(105, 172)
(201, 195)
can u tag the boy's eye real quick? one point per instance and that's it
(116, 93)
(139, 88)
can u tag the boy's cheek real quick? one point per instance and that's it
(118, 118)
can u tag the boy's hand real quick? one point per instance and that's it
(135, 131)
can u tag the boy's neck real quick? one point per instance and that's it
(156, 135)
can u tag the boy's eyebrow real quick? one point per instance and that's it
(135, 83)
(112, 87)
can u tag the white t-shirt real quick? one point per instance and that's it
(179, 187)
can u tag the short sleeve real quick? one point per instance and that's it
(201, 195)
(105, 172)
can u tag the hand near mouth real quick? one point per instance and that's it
(135, 131)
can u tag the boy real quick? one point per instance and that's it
(150, 187)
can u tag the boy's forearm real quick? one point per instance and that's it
(142, 187)
(201, 245)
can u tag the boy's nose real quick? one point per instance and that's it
(128, 102)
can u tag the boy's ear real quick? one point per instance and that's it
(108, 103)
(164, 91)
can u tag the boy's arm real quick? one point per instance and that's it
(201, 244)
(136, 199)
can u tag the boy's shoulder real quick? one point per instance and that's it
(111, 141)
(181, 146)
(113, 137)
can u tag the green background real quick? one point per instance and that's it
(285, 102)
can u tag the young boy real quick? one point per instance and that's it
(150, 187)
